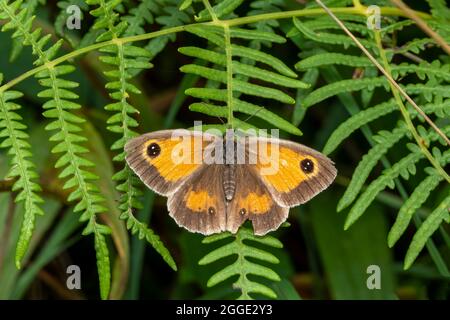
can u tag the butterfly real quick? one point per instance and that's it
(216, 182)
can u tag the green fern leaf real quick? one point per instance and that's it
(30, 6)
(385, 140)
(123, 58)
(221, 9)
(417, 198)
(243, 266)
(103, 264)
(22, 169)
(324, 59)
(428, 227)
(404, 167)
(357, 121)
(167, 15)
(329, 38)
(342, 86)
(423, 70)
(439, 9)
(57, 107)
(243, 107)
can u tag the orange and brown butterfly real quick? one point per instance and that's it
(215, 183)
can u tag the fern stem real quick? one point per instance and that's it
(210, 10)
(357, 4)
(419, 140)
(229, 57)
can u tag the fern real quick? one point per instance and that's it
(67, 137)
(169, 15)
(429, 226)
(30, 6)
(123, 58)
(22, 169)
(432, 90)
(243, 267)
(225, 51)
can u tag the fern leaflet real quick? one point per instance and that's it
(243, 267)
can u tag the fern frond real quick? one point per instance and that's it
(243, 266)
(396, 26)
(15, 139)
(363, 117)
(414, 202)
(30, 6)
(385, 140)
(328, 24)
(428, 227)
(242, 72)
(423, 70)
(329, 38)
(404, 167)
(429, 91)
(357, 121)
(439, 9)
(343, 86)
(168, 15)
(103, 262)
(58, 107)
(221, 9)
(328, 58)
(413, 46)
(144, 232)
(123, 59)
(263, 7)
(139, 16)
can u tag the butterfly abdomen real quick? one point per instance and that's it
(229, 181)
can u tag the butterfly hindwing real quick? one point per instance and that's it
(253, 201)
(199, 205)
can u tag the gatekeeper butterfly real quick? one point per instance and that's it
(216, 182)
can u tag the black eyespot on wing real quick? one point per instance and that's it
(242, 211)
(153, 150)
(211, 210)
(307, 165)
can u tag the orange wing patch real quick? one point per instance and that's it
(280, 167)
(179, 157)
(255, 204)
(200, 201)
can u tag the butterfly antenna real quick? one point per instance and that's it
(221, 120)
(254, 114)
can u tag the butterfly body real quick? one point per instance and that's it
(215, 183)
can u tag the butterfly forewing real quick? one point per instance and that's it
(164, 160)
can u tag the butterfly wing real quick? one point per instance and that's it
(165, 159)
(293, 173)
(199, 205)
(253, 201)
